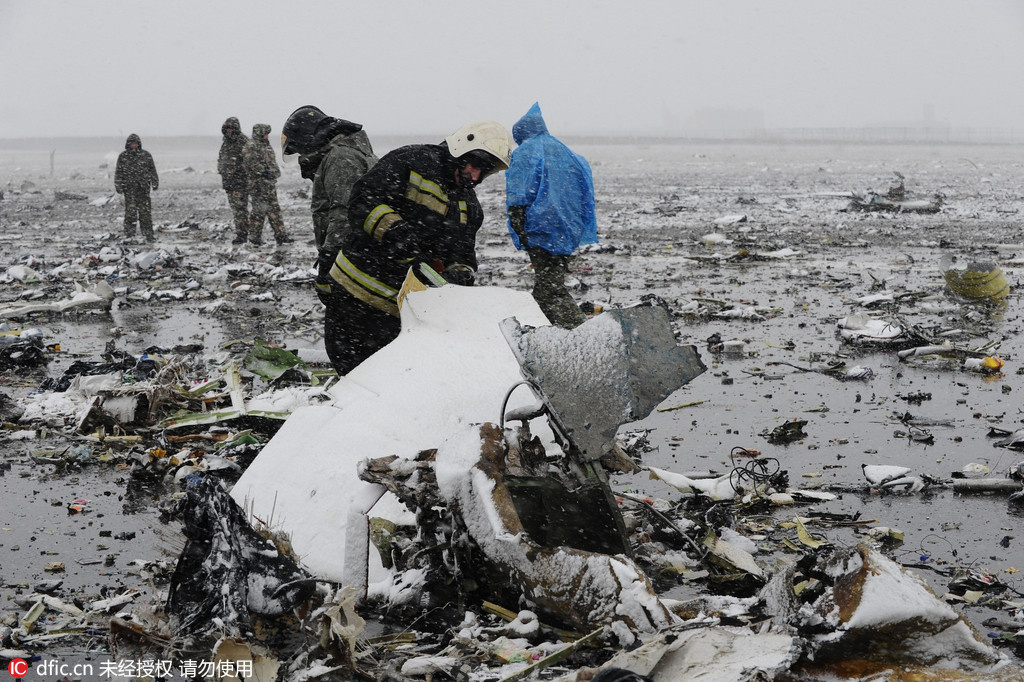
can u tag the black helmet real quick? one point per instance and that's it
(308, 129)
(298, 134)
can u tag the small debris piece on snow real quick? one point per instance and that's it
(885, 613)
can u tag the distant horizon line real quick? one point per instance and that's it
(809, 134)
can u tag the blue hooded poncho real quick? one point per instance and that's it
(554, 184)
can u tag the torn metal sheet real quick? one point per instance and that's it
(220, 416)
(227, 569)
(717, 488)
(704, 650)
(881, 474)
(1013, 440)
(341, 625)
(895, 200)
(733, 557)
(624, 361)
(463, 501)
(947, 349)
(100, 296)
(879, 203)
(580, 588)
(114, 411)
(235, 660)
(449, 367)
(882, 612)
(860, 329)
(239, 407)
(894, 478)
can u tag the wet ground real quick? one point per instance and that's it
(782, 190)
(670, 224)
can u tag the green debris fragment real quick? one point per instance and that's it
(270, 362)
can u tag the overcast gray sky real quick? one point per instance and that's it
(178, 67)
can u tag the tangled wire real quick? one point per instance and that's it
(755, 475)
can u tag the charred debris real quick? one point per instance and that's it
(526, 563)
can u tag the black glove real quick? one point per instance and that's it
(517, 219)
(460, 274)
(324, 262)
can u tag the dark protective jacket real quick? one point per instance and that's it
(135, 172)
(261, 167)
(406, 210)
(555, 186)
(345, 159)
(231, 160)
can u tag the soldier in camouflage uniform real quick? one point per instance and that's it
(263, 172)
(231, 167)
(134, 175)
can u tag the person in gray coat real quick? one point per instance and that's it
(134, 175)
(333, 153)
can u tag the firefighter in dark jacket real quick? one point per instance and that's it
(231, 167)
(415, 210)
(333, 153)
(134, 175)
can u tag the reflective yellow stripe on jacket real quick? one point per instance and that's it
(364, 287)
(427, 193)
(379, 220)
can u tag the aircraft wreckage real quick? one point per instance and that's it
(464, 467)
(537, 508)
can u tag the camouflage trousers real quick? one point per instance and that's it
(549, 289)
(265, 207)
(238, 200)
(138, 208)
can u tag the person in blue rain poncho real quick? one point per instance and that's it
(550, 200)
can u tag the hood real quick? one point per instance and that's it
(331, 128)
(358, 140)
(260, 130)
(530, 125)
(132, 138)
(231, 124)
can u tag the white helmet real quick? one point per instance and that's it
(482, 136)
